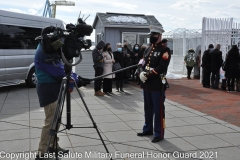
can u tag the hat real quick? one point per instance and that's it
(100, 45)
(156, 30)
(164, 40)
(210, 46)
(191, 50)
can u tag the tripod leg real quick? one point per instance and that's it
(57, 117)
(94, 124)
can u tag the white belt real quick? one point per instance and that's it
(148, 68)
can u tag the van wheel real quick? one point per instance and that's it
(31, 80)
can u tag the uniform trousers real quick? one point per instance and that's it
(154, 108)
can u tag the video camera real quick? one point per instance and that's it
(68, 43)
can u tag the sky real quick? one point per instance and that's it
(172, 14)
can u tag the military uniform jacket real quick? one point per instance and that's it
(157, 59)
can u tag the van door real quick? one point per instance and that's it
(2, 66)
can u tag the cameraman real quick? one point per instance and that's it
(49, 72)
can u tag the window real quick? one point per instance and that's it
(1, 40)
(17, 37)
(132, 38)
(99, 37)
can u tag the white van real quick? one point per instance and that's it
(17, 46)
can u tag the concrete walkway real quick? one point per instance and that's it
(119, 118)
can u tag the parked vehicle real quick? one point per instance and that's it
(17, 46)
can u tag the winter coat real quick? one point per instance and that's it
(216, 60)
(128, 62)
(97, 56)
(206, 60)
(190, 59)
(232, 65)
(135, 59)
(107, 64)
(119, 57)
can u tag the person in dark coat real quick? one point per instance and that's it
(232, 67)
(98, 67)
(119, 57)
(128, 61)
(216, 63)
(206, 66)
(135, 59)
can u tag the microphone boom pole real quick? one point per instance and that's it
(120, 70)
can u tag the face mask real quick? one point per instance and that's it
(109, 49)
(119, 49)
(153, 40)
(136, 48)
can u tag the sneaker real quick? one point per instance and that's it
(106, 93)
(98, 93)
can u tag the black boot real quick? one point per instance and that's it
(121, 86)
(117, 85)
(133, 78)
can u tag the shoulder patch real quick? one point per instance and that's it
(165, 56)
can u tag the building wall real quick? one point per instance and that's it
(99, 30)
(114, 35)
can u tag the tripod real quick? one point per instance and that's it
(65, 93)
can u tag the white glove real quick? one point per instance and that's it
(142, 76)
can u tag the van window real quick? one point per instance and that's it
(17, 37)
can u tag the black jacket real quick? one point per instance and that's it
(232, 66)
(206, 60)
(119, 58)
(97, 56)
(159, 59)
(216, 60)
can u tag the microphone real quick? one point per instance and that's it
(84, 29)
(140, 65)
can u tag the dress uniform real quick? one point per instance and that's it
(157, 58)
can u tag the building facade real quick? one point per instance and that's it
(116, 28)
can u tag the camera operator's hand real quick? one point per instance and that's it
(71, 86)
(113, 61)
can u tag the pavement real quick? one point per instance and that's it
(189, 133)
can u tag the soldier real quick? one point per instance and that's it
(157, 58)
